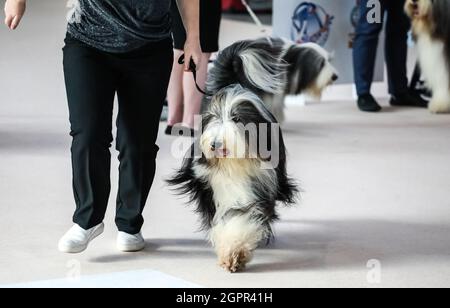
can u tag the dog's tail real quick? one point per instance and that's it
(256, 65)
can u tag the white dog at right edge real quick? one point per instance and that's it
(431, 26)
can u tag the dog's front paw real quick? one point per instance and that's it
(235, 261)
(439, 106)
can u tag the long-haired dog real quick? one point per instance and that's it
(235, 172)
(431, 26)
(238, 176)
(273, 68)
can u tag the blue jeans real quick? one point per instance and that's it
(366, 43)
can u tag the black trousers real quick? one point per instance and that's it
(93, 77)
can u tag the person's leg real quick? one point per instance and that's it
(365, 48)
(90, 85)
(192, 97)
(396, 47)
(141, 92)
(175, 95)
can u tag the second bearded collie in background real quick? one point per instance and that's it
(431, 26)
(273, 68)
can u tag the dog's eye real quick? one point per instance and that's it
(236, 119)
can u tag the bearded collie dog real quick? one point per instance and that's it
(431, 26)
(273, 68)
(235, 172)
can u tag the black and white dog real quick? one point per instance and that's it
(274, 68)
(431, 26)
(238, 176)
(234, 184)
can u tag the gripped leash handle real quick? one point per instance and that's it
(193, 66)
(193, 69)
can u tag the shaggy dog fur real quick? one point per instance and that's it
(431, 26)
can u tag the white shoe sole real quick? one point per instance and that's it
(82, 248)
(130, 248)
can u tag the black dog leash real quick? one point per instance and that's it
(193, 69)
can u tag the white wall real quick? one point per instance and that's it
(31, 78)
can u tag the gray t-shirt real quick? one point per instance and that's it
(119, 26)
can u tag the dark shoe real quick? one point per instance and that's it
(182, 130)
(168, 130)
(367, 103)
(409, 99)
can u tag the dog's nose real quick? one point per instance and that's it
(216, 145)
(335, 77)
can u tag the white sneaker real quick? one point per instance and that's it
(130, 243)
(77, 239)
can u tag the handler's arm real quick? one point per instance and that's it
(14, 11)
(190, 12)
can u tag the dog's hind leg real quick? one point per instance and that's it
(236, 239)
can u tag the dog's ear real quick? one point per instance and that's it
(186, 182)
(273, 138)
(409, 8)
(288, 188)
(206, 119)
(263, 111)
(184, 174)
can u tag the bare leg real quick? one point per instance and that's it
(175, 95)
(193, 98)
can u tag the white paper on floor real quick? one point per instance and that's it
(132, 279)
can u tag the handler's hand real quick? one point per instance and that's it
(192, 50)
(14, 11)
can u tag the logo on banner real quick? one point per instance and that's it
(311, 24)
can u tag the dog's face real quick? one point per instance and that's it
(231, 126)
(310, 69)
(419, 9)
(432, 17)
